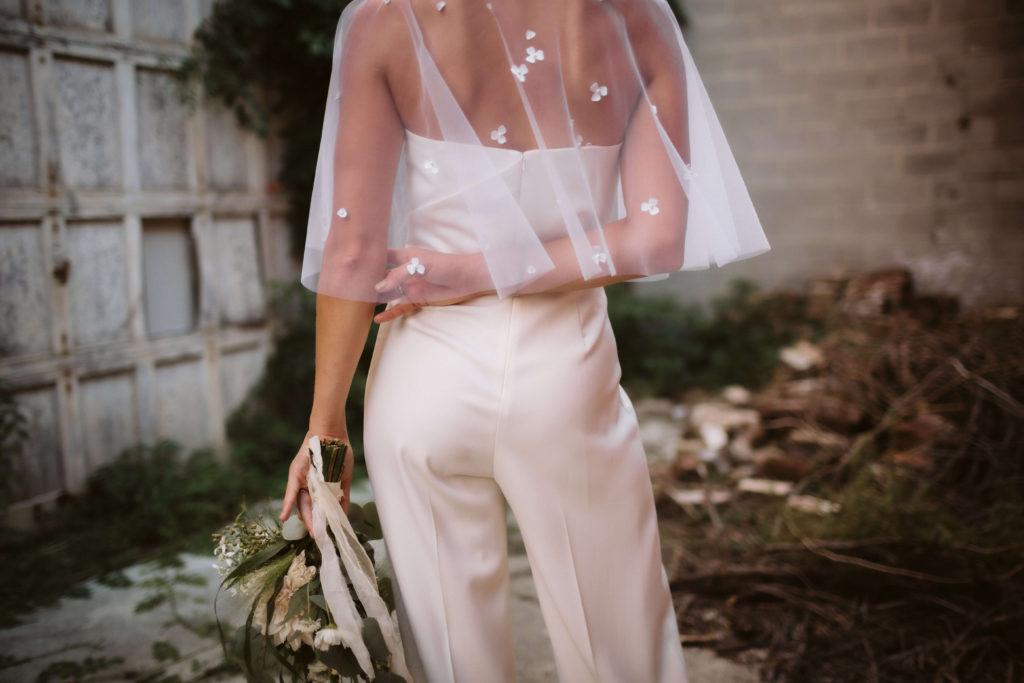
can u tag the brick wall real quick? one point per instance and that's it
(873, 133)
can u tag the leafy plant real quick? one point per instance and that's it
(666, 347)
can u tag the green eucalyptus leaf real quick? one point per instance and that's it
(375, 532)
(343, 659)
(374, 640)
(250, 564)
(387, 593)
(388, 677)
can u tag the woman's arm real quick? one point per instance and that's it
(367, 146)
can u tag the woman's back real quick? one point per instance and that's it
(565, 47)
(522, 75)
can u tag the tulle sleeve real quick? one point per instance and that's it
(686, 202)
(361, 141)
(516, 147)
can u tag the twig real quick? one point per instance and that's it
(1011, 403)
(868, 564)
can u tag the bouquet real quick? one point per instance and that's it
(317, 605)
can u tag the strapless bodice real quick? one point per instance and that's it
(440, 220)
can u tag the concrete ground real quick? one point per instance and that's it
(88, 632)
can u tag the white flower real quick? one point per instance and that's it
(431, 167)
(598, 91)
(343, 212)
(530, 35)
(600, 255)
(650, 206)
(293, 529)
(440, 6)
(520, 72)
(534, 55)
(499, 135)
(414, 267)
(300, 628)
(326, 637)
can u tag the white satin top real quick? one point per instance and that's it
(440, 220)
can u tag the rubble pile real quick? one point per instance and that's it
(902, 402)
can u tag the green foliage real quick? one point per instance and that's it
(77, 670)
(150, 501)
(153, 496)
(666, 347)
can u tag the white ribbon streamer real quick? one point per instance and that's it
(327, 512)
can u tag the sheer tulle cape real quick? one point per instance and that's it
(446, 112)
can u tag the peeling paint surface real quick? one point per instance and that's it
(236, 276)
(159, 19)
(25, 313)
(239, 371)
(181, 403)
(225, 150)
(97, 287)
(163, 138)
(90, 14)
(90, 151)
(17, 130)
(109, 422)
(39, 469)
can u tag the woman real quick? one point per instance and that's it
(517, 156)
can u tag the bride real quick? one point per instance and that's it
(485, 169)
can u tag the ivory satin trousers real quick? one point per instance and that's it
(518, 400)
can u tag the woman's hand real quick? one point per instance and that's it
(296, 490)
(431, 278)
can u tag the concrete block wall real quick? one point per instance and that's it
(136, 239)
(872, 133)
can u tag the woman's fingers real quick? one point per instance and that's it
(306, 510)
(290, 493)
(396, 311)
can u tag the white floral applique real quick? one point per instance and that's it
(650, 206)
(534, 55)
(440, 5)
(654, 109)
(598, 91)
(414, 267)
(688, 172)
(600, 255)
(343, 212)
(530, 35)
(337, 96)
(531, 270)
(498, 135)
(579, 140)
(520, 72)
(431, 167)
